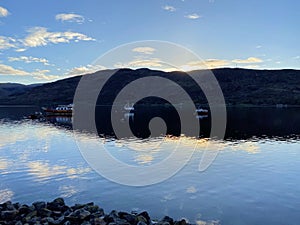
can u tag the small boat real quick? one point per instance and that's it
(61, 110)
(129, 107)
(201, 111)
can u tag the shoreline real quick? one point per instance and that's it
(57, 212)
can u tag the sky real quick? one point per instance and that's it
(43, 41)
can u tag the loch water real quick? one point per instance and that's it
(253, 180)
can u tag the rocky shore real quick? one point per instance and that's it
(57, 212)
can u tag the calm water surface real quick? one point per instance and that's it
(254, 179)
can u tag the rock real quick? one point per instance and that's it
(128, 217)
(39, 205)
(99, 221)
(92, 208)
(67, 223)
(57, 204)
(45, 212)
(50, 220)
(9, 214)
(32, 214)
(79, 214)
(162, 223)
(6, 206)
(141, 223)
(56, 213)
(24, 209)
(86, 223)
(18, 223)
(168, 220)
(60, 220)
(17, 205)
(146, 216)
(181, 222)
(142, 219)
(77, 206)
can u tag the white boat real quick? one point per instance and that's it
(63, 110)
(201, 111)
(129, 107)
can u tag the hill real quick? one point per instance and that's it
(239, 86)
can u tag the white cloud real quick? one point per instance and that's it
(8, 70)
(210, 63)
(248, 60)
(69, 17)
(3, 12)
(85, 70)
(137, 63)
(29, 59)
(258, 46)
(145, 50)
(193, 16)
(41, 75)
(21, 50)
(7, 42)
(39, 36)
(169, 8)
(37, 74)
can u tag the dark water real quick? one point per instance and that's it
(253, 180)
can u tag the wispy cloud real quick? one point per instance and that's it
(193, 16)
(248, 60)
(29, 59)
(8, 70)
(144, 50)
(69, 17)
(85, 70)
(258, 46)
(43, 75)
(20, 50)
(214, 63)
(3, 12)
(169, 8)
(39, 36)
(7, 42)
(36, 74)
(137, 63)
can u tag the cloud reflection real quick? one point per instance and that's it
(3, 164)
(44, 171)
(67, 191)
(5, 195)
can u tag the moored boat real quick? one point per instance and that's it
(60, 110)
(201, 111)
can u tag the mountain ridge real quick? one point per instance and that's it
(239, 86)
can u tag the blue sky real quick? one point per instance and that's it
(41, 41)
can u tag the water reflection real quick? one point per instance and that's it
(255, 176)
(5, 195)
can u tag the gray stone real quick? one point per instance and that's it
(181, 222)
(86, 223)
(99, 221)
(9, 214)
(39, 205)
(168, 219)
(24, 209)
(141, 223)
(45, 212)
(80, 214)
